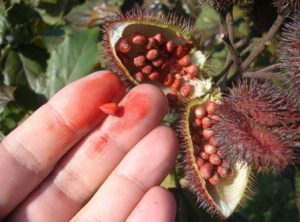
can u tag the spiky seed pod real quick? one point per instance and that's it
(290, 50)
(218, 193)
(222, 6)
(242, 139)
(287, 6)
(168, 48)
(264, 103)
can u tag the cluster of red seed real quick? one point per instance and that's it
(154, 58)
(213, 167)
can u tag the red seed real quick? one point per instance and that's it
(225, 164)
(152, 54)
(197, 123)
(200, 162)
(158, 62)
(168, 81)
(210, 149)
(109, 108)
(211, 107)
(177, 83)
(222, 171)
(147, 69)
(139, 76)
(200, 112)
(186, 90)
(184, 61)
(212, 141)
(170, 46)
(207, 134)
(154, 76)
(206, 170)
(179, 51)
(139, 39)
(123, 45)
(196, 149)
(151, 43)
(196, 139)
(191, 71)
(160, 38)
(215, 117)
(215, 159)
(139, 60)
(214, 180)
(204, 155)
(206, 123)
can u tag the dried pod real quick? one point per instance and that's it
(219, 194)
(169, 49)
(287, 6)
(222, 6)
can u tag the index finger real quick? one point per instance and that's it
(31, 151)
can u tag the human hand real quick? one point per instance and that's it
(69, 161)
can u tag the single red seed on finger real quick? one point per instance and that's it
(109, 108)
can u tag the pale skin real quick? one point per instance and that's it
(71, 162)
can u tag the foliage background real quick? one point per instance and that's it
(46, 44)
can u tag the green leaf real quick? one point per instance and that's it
(6, 95)
(73, 59)
(34, 73)
(13, 72)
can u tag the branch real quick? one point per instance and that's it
(261, 46)
(265, 73)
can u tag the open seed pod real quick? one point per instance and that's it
(146, 47)
(220, 186)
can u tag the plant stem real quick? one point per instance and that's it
(261, 46)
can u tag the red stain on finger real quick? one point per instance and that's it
(132, 112)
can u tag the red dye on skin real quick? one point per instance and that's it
(97, 145)
(134, 109)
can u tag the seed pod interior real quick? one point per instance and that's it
(152, 48)
(219, 186)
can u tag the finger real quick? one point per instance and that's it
(156, 205)
(31, 151)
(83, 170)
(143, 167)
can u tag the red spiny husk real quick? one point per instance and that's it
(290, 50)
(264, 103)
(287, 6)
(241, 138)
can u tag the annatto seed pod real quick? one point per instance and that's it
(220, 186)
(158, 43)
(287, 6)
